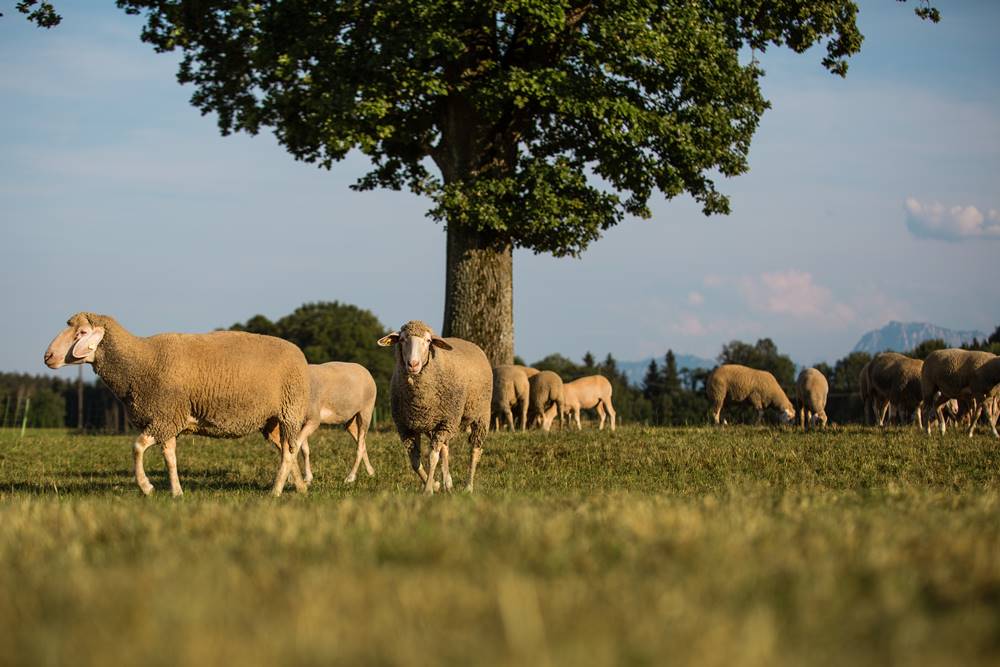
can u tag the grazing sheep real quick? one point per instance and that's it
(739, 383)
(812, 389)
(895, 379)
(528, 370)
(592, 391)
(510, 390)
(985, 388)
(439, 386)
(546, 391)
(871, 404)
(340, 393)
(223, 384)
(948, 374)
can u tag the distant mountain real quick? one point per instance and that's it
(635, 371)
(904, 336)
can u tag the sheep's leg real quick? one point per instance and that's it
(307, 429)
(510, 418)
(611, 413)
(412, 444)
(445, 472)
(139, 447)
(364, 421)
(476, 439)
(524, 415)
(437, 442)
(289, 465)
(601, 415)
(975, 418)
(170, 456)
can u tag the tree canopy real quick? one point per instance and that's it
(548, 121)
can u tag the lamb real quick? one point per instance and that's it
(895, 379)
(340, 393)
(510, 390)
(439, 387)
(739, 383)
(546, 391)
(948, 374)
(812, 389)
(223, 384)
(985, 388)
(592, 391)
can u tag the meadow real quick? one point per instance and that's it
(649, 546)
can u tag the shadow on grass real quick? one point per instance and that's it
(105, 481)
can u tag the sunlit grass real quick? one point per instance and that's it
(648, 546)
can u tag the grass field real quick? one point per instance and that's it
(649, 546)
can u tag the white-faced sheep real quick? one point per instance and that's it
(511, 391)
(812, 389)
(546, 391)
(586, 393)
(737, 383)
(985, 388)
(224, 384)
(439, 387)
(948, 374)
(340, 393)
(895, 379)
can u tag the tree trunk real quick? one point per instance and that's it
(479, 293)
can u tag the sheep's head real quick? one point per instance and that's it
(413, 342)
(76, 344)
(787, 415)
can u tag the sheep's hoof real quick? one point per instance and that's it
(468, 489)
(146, 488)
(429, 492)
(308, 479)
(349, 479)
(448, 485)
(437, 486)
(177, 494)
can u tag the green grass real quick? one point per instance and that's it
(650, 546)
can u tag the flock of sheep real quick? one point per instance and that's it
(229, 384)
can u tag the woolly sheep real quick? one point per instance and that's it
(223, 384)
(510, 390)
(739, 383)
(439, 387)
(590, 392)
(948, 374)
(985, 388)
(895, 379)
(528, 370)
(870, 403)
(340, 393)
(812, 389)
(546, 391)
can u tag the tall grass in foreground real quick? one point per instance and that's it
(648, 546)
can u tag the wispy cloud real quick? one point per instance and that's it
(957, 223)
(696, 298)
(795, 294)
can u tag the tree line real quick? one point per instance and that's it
(327, 331)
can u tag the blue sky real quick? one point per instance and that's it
(869, 199)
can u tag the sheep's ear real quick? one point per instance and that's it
(437, 341)
(389, 339)
(86, 345)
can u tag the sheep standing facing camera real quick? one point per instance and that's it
(439, 387)
(224, 384)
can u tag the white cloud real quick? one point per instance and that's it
(795, 294)
(958, 223)
(696, 298)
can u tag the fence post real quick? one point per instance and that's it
(24, 420)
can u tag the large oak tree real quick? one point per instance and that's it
(527, 123)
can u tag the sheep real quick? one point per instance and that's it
(592, 391)
(546, 391)
(528, 370)
(510, 389)
(223, 384)
(739, 383)
(895, 379)
(439, 387)
(812, 389)
(339, 393)
(871, 404)
(948, 374)
(985, 388)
